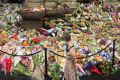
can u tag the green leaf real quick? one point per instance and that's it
(55, 71)
(40, 44)
(36, 59)
(22, 70)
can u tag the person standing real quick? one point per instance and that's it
(70, 63)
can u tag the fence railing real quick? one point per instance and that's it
(46, 55)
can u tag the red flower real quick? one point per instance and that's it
(15, 36)
(94, 69)
(8, 64)
(42, 31)
(36, 40)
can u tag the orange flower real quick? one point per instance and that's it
(98, 58)
(25, 43)
(15, 36)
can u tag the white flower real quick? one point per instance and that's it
(84, 28)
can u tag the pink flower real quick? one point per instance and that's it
(43, 37)
(1, 22)
(113, 14)
(23, 39)
(118, 27)
(7, 64)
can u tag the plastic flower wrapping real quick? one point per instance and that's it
(91, 31)
(9, 16)
(16, 44)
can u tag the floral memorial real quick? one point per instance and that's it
(93, 30)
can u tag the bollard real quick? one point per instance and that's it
(113, 55)
(46, 66)
(46, 72)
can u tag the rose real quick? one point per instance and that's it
(36, 40)
(8, 64)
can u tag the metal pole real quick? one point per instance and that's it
(44, 4)
(46, 70)
(113, 56)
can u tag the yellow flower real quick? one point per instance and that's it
(7, 39)
(98, 58)
(28, 34)
(4, 33)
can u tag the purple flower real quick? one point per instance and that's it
(113, 14)
(23, 39)
(85, 49)
(88, 65)
(118, 27)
